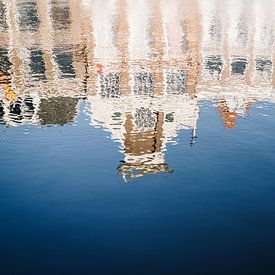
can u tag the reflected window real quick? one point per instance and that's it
(145, 120)
(110, 85)
(28, 107)
(28, 16)
(143, 83)
(176, 82)
(65, 63)
(15, 111)
(3, 22)
(169, 117)
(37, 64)
(264, 66)
(5, 63)
(213, 67)
(117, 119)
(60, 15)
(238, 66)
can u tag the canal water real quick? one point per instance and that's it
(137, 137)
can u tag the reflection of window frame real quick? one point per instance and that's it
(212, 64)
(139, 82)
(27, 12)
(235, 64)
(109, 84)
(62, 20)
(37, 64)
(264, 69)
(59, 55)
(144, 120)
(175, 81)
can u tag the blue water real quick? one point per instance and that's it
(64, 209)
(137, 137)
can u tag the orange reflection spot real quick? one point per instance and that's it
(229, 119)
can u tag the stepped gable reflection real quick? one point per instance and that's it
(147, 118)
(144, 126)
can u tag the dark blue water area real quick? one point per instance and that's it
(65, 210)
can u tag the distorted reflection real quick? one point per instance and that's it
(141, 67)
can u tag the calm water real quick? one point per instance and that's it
(137, 137)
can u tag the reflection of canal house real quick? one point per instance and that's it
(143, 65)
(43, 68)
(148, 116)
(237, 52)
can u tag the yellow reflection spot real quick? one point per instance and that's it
(9, 93)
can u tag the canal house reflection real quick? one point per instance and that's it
(141, 68)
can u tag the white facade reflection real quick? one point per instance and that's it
(142, 67)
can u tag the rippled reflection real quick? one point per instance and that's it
(142, 67)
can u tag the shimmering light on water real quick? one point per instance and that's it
(137, 136)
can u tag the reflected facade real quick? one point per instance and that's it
(141, 67)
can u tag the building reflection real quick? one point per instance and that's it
(142, 67)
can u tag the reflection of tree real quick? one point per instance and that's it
(58, 110)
